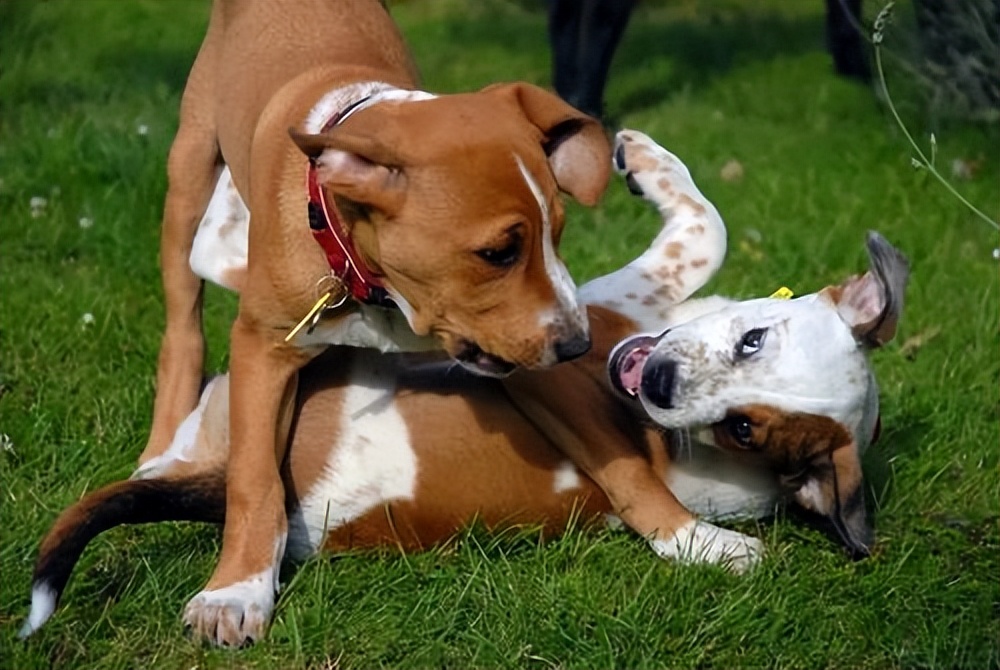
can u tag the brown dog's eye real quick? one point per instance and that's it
(502, 257)
(741, 429)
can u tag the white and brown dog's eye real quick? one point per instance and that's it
(751, 342)
(741, 429)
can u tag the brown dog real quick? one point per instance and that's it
(437, 220)
(764, 398)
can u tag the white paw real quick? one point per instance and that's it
(702, 542)
(649, 170)
(235, 615)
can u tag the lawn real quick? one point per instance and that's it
(89, 93)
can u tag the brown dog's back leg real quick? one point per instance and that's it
(192, 170)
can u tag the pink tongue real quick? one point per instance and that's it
(630, 368)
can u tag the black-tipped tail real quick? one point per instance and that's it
(196, 498)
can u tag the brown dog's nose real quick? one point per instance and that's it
(574, 347)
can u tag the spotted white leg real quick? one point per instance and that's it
(685, 254)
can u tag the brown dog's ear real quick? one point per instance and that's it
(354, 166)
(872, 304)
(833, 487)
(578, 150)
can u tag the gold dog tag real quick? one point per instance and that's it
(334, 294)
(783, 293)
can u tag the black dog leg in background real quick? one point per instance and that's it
(583, 35)
(845, 40)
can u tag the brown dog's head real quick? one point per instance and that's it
(454, 202)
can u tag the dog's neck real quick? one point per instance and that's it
(344, 101)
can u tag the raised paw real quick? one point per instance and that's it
(702, 542)
(232, 616)
(650, 170)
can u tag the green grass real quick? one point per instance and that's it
(713, 81)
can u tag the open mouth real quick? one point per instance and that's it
(626, 362)
(472, 357)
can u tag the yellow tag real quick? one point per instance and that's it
(783, 293)
(320, 304)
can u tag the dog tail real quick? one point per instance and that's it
(199, 497)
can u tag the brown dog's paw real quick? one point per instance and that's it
(233, 616)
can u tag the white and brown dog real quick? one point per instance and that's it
(387, 218)
(730, 408)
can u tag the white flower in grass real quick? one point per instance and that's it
(38, 205)
(6, 444)
(996, 254)
(87, 320)
(86, 222)
(142, 129)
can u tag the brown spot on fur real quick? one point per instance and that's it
(696, 229)
(699, 262)
(631, 296)
(674, 250)
(667, 292)
(787, 440)
(664, 184)
(639, 160)
(688, 201)
(649, 301)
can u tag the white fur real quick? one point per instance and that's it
(810, 362)
(369, 327)
(372, 461)
(567, 477)
(43, 604)
(702, 542)
(184, 446)
(338, 99)
(219, 249)
(569, 312)
(718, 487)
(245, 606)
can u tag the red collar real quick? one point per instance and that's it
(329, 231)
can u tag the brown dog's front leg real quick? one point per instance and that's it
(236, 604)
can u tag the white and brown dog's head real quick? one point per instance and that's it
(454, 202)
(786, 381)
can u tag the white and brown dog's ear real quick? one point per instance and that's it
(355, 166)
(833, 487)
(577, 148)
(872, 304)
